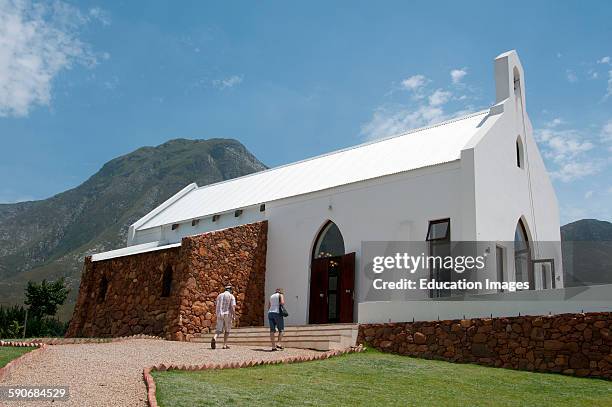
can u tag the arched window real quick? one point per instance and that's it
(520, 160)
(329, 243)
(522, 255)
(517, 83)
(167, 282)
(103, 289)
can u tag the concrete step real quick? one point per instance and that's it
(301, 328)
(287, 334)
(322, 345)
(319, 337)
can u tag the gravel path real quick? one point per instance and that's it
(110, 374)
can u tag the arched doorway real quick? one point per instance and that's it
(522, 255)
(332, 278)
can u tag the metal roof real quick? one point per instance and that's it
(419, 148)
(130, 250)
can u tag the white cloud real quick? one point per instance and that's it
(457, 75)
(575, 170)
(439, 97)
(425, 106)
(228, 82)
(568, 151)
(571, 76)
(101, 15)
(609, 90)
(588, 195)
(562, 145)
(37, 41)
(414, 82)
(388, 121)
(605, 60)
(606, 134)
(557, 121)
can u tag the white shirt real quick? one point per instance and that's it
(225, 303)
(275, 302)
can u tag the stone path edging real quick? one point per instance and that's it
(150, 383)
(6, 370)
(72, 341)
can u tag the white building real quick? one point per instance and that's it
(475, 178)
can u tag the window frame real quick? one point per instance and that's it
(437, 222)
(520, 152)
(167, 278)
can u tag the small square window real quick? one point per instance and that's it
(438, 230)
(262, 208)
(238, 213)
(195, 222)
(215, 218)
(175, 226)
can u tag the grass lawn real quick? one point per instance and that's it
(8, 353)
(378, 379)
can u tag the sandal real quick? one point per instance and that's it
(279, 347)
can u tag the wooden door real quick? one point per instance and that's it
(347, 288)
(318, 291)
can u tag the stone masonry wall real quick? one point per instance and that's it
(235, 256)
(201, 267)
(133, 303)
(574, 344)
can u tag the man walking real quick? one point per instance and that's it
(226, 308)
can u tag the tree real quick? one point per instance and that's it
(44, 298)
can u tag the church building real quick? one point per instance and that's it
(303, 227)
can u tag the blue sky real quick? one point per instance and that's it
(84, 82)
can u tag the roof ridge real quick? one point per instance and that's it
(411, 131)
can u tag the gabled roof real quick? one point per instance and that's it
(419, 148)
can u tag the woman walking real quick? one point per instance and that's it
(275, 317)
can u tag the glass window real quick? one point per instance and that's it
(438, 236)
(521, 254)
(103, 289)
(438, 230)
(329, 242)
(519, 152)
(167, 282)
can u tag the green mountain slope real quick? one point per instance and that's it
(50, 238)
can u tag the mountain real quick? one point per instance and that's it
(50, 238)
(587, 252)
(587, 229)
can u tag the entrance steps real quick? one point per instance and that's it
(319, 337)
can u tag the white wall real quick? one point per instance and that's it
(393, 208)
(596, 298)
(166, 235)
(506, 193)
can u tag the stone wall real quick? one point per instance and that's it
(200, 268)
(574, 344)
(235, 256)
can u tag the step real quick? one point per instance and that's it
(237, 333)
(322, 345)
(301, 328)
(319, 337)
